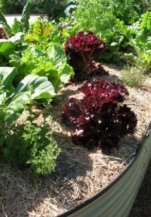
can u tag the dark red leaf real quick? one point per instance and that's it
(99, 119)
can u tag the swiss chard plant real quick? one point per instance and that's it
(83, 50)
(40, 33)
(99, 119)
(51, 63)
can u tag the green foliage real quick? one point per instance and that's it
(12, 6)
(146, 21)
(3, 21)
(33, 145)
(51, 8)
(51, 63)
(18, 26)
(8, 46)
(133, 77)
(44, 149)
(39, 32)
(139, 38)
(30, 88)
(100, 16)
(28, 143)
(26, 15)
(44, 56)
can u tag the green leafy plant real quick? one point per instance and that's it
(103, 22)
(38, 147)
(3, 21)
(32, 87)
(139, 38)
(51, 63)
(8, 46)
(40, 34)
(26, 15)
(18, 26)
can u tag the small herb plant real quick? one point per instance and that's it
(99, 119)
(31, 145)
(83, 51)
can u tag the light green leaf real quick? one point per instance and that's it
(16, 38)
(55, 53)
(66, 72)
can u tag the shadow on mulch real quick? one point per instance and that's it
(142, 205)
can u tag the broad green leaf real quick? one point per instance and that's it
(55, 53)
(17, 105)
(30, 88)
(7, 75)
(6, 47)
(39, 87)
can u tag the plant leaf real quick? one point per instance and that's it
(7, 75)
(38, 86)
(30, 88)
(66, 73)
(6, 47)
(16, 38)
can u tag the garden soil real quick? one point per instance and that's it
(80, 173)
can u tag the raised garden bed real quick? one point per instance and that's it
(80, 173)
(74, 137)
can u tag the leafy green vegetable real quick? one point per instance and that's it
(40, 87)
(51, 63)
(30, 88)
(8, 46)
(39, 32)
(139, 38)
(7, 74)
